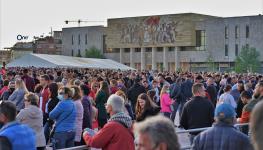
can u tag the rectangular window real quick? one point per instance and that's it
(79, 39)
(72, 52)
(226, 50)
(236, 50)
(159, 49)
(72, 39)
(200, 40)
(170, 49)
(226, 32)
(79, 52)
(247, 31)
(126, 50)
(86, 39)
(137, 49)
(236, 32)
(148, 49)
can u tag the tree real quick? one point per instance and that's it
(93, 52)
(247, 60)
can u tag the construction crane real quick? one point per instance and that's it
(79, 21)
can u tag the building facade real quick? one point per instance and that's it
(182, 41)
(21, 48)
(5, 56)
(48, 45)
(77, 40)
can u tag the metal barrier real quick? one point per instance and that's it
(202, 129)
(178, 132)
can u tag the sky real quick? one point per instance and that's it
(36, 17)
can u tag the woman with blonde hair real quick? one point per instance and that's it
(128, 108)
(166, 101)
(33, 117)
(17, 96)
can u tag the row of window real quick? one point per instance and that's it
(147, 49)
(78, 54)
(236, 50)
(79, 39)
(237, 32)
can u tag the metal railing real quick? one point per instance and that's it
(84, 147)
(203, 129)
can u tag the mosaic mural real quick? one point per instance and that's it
(152, 30)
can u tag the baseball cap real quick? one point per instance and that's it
(225, 111)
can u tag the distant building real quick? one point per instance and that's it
(49, 44)
(77, 40)
(5, 56)
(187, 41)
(21, 49)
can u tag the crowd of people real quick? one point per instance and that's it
(110, 110)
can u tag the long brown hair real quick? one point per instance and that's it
(104, 87)
(148, 104)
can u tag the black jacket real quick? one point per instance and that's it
(186, 89)
(211, 90)
(51, 105)
(197, 113)
(148, 113)
(134, 92)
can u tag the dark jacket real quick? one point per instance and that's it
(87, 115)
(30, 83)
(211, 90)
(5, 144)
(197, 113)
(148, 113)
(175, 92)
(101, 99)
(52, 103)
(222, 137)
(186, 89)
(134, 92)
(129, 110)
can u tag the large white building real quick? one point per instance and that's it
(169, 42)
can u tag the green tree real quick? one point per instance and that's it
(93, 52)
(247, 60)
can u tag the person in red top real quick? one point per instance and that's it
(113, 86)
(5, 87)
(44, 94)
(245, 98)
(116, 134)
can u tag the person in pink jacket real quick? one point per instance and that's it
(166, 101)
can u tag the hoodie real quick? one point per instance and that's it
(32, 116)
